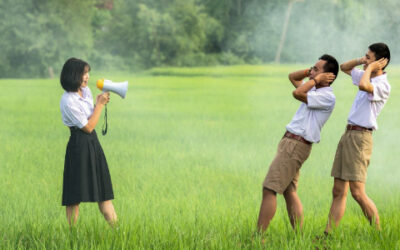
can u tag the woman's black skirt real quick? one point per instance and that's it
(86, 175)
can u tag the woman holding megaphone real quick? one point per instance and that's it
(86, 174)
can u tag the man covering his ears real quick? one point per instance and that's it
(294, 148)
(355, 147)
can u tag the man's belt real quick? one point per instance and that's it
(358, 128)
(296, 137)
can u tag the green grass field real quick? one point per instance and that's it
(188, 150)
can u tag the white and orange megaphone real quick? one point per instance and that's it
(119, 88)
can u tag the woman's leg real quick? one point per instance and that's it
(107, 209)
(72, 210)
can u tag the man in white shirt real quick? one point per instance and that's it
(294, 148)
(355, 147)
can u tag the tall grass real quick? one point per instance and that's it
(188, 150)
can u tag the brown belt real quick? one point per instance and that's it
(296, 137)
(358, 128)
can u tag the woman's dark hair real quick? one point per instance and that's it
(72, 73)
(380, 50)
(331, 64)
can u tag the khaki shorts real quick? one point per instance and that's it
(352, 156)
(284, 171)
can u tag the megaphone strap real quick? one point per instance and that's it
(105, 125)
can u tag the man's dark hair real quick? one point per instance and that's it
(72, 73)
(331, 64)
(380, 50)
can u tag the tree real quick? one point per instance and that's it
(284, 30)
(38, 36)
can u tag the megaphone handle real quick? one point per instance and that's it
(105, 125)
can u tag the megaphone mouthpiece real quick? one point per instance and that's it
(100, 84)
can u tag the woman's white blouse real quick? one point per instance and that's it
(76, 110)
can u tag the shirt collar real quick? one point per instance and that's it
(84, 93)
(327, 88)
(383, 76)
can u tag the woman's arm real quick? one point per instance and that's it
(101, 100)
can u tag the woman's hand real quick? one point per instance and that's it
(103, 98)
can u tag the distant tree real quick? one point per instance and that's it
(105, 4)
(37, 36)
(284, 30)
(149, 34)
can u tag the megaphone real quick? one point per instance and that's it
(119, 88)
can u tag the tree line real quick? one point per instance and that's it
(37, 36)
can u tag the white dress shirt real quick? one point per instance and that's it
(366, 107)
(76, 110)
(309, 118)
